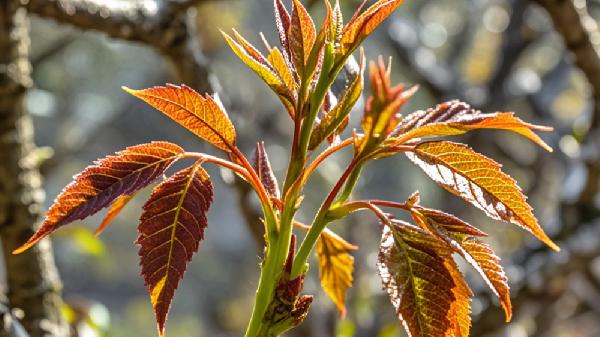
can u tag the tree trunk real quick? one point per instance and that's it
(32, 279)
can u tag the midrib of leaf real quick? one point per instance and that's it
(178, 208)
(216, 132)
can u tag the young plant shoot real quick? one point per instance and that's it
(416, 258)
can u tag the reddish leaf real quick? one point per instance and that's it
(447, 221)
(203, 116)
(381, 115)
(99, 185)
(462, 237)
(115, 208)
(171, 228)
(415, 273)
(335, 267)
(302, 35)
(283, 23)
(478, 180)
(455, 117)
(361, 26)
(264, 170)
(482, 257)
(314, 59)
(460, 310)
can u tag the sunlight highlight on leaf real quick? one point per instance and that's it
(478, 180)
(203, 116)
(335, 267)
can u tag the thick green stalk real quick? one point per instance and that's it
(277, 250)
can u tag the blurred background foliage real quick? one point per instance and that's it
(495, 54)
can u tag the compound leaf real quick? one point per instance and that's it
(171, 228)
(335, 267)
(100, 184)
(478, 180)
(203, 116)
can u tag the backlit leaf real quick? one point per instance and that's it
(447, 221)
(335, 267)
(203, 116)
(381, 113)
(280, 66)
(114, 210)
(413, 267)
(364, 24)
(283, 22)
(462, 237)
(478, 180)
(460, 309)
(171, 228)
(264, 170)
(302, 35)
(482, 257)
(99, 185)
(455, 117)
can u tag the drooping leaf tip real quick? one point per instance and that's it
(25, 247)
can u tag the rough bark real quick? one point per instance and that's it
(33, 283)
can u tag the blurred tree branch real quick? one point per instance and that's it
(582, 38)
(32, 279)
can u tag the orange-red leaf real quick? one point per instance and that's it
(283, 22)
(455, 117)
(460, 310)
(115, 208)
(99, 185)
(302, 35)
(203, 116)
(462, 237)
(447, 221)
(478, 180)
(364, 24)
(335, 267)
(171, 228)
(414, 268)
(482, 257)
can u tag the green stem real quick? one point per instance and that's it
(320, 221)
(317, 98)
